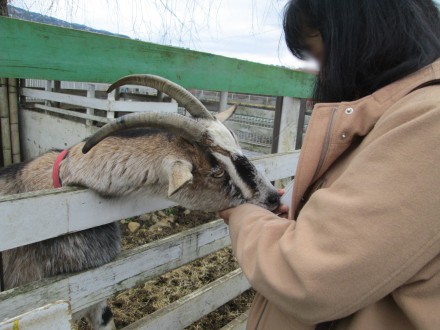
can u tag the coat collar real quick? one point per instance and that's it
(333, 126)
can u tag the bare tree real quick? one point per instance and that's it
(180, 20)
(4, 8)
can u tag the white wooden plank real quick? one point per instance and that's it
(89, 118)
(131, 267)
(289, 124)
(75, 85)
(41, 132)
(90, 94)
(111, 97)
(277, 166)
(32, 217)
(53, 316)
(48, 88)
(108, 105)
(197, 304)
(238, 323)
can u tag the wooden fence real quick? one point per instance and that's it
(31, 215)
(39, 51)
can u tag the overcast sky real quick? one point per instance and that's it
(245, 29)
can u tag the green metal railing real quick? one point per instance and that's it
(32, 50)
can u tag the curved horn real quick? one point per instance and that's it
(175, 123)
(180, 94)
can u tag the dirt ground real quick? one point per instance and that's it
(139, 301)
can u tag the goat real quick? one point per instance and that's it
(196, 162)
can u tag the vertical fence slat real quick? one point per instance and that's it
(289, 121)
(111, 97)
(223, 103)
(91, 94)
(5, 126)
(301, 119)
(48, 88)
(13, 120)
(276, 124)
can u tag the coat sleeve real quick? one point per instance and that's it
(357, 240)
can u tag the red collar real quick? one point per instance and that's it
(56, 168)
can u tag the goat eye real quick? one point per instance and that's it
(218, 173)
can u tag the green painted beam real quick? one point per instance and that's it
(31, 50)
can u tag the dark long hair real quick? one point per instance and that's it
(368, 43)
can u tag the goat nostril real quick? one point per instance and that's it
(274, 199)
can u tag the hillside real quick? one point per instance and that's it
(39, 18)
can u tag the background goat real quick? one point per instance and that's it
(196, 162)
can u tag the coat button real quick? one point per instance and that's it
(349, 111)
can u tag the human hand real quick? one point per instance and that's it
(281, 211)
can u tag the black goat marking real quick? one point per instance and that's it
(245, 170)
(12, 171)
(213, 162)
(231, 188)
(107, 316)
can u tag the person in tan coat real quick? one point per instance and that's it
(360, 249)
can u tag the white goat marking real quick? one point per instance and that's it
(222, 137)
(247, 193)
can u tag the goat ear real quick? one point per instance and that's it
(225, 115)
(179, 174)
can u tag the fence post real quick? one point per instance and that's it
(290, 118)
(13, 119)
(160, 96)
(111, 97)
(21, 98)
(5, 126)
(48, 88)
(57, 89)
(91, 94)
(276, 124)
(223, 103)
(301, 120)
(286, 127)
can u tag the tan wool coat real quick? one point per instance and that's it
(361, 250)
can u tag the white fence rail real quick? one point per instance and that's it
(43, 318)
(254, 129)
(60, 211)
(131, 267)
(192, 307)
(32, 215)
(100, 104)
